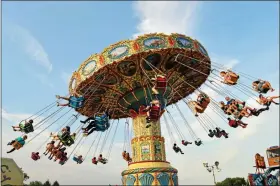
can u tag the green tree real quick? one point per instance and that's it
(55, 183)
(25, 176)
(47, 183)
(233, 182)
(35, 183)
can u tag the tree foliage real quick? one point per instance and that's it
(47, 183)
(233, 182)
(25, 176)
(55, 183)
(35, 183)
(38, 183)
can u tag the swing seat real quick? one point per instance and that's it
(26, 128)
(232, 78)
(62, 161)
(102, 160)
(263, 90)
(34, 156)
(154, 113)
(63, 135)
(17, 145)
(76, 102)
(123, 155)
(101, 124)
(197, 109)
(204, 100)
(67, 141)
(198, 143)
(161, 83)
(218, 134)
(94, 161)
(204, 104)
(79, 161)
(127, 157)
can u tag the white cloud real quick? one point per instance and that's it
(44, 79)
(166, 16)
(225, 62)
(14, 118)
(31, 46)
(66, 77)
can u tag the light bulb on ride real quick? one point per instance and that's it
(217, 164)
(205, 164)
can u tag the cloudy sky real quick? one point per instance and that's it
(44, 42)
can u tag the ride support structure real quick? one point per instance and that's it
(149, 165)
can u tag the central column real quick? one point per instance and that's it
(149, 165)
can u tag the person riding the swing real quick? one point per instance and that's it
(198, 142)
(123, 154)
(159, 82)
(94, 160)
(64, 137)
(35, 156)
(63, 158)
(64, 133)
(200, 104)
(100, 123)
(59, 154)
(153, 112)
(68, 140)
(226, 108)
(26, 127)
(262, 86)
(102, 160)
(266, 101)
(74, 101)
(49, 147)
(185, 143)
(236, 108)
(177, 149)
(235, 123)
(234, 101)
(92, 118)
(197, 108)
(127, 157)
(203, 99)
(229, 77)
(244, 111)
(17, 143)
(220, 132)
(78, 159)
(211, 133)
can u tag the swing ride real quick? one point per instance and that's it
(139, 79)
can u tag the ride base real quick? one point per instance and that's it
(149, 165)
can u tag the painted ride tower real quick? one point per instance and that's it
(149, 165)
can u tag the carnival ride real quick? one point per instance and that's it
(139, 79)
(263, 174)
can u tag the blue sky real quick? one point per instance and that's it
(44, 42)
